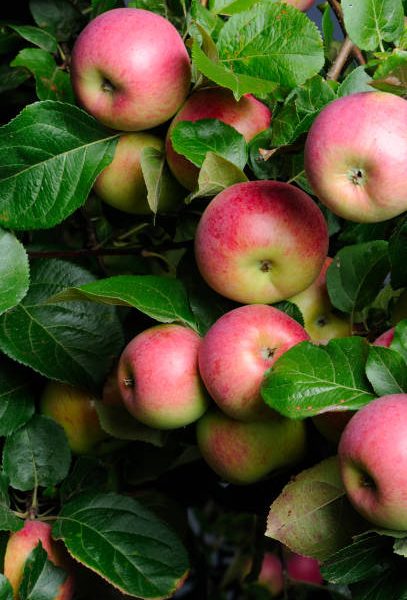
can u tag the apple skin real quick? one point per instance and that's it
(245, 452)
(158, 377)
(22, 543)
(74, 409)
(300, 4)
(248, 116)
(356, 156)
(261, 242)
(303, 568)
(130, 69)
(121, 184)
(320, 321)
(271, 574)
(373, 461)
(237, 351)
(385, 339)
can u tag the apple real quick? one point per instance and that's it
(22, 543)
(121, 184)
(303, 568)
(248, 116)
(245, 452)
(320, 319)
(385, 339)
(130, 69)
(271, 574)
(356, 156)
(237, 351)
(300, 4)
(74, 409)
(158, 377)
(261, 242)
(373, 461)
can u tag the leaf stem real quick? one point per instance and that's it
(337, 9)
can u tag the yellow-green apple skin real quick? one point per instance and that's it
(158, 377)
(356, 156)
(245, 452)
(121, 184)
(237, 351)
(303, 568)
(22, 543)
(261, 242)
(373, 461)
(320, 321)
(130, 69)
(248, 116)
(74, 409)
(271, 574)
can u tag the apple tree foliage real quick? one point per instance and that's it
(78, 279)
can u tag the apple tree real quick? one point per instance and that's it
(203, 240)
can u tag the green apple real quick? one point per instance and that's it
(74, 409)
(244, 452)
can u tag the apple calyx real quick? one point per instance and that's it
(128, 382)
(268, 353)
(107, 86)
(357, 176)
(266, 265)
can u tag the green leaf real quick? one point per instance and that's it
(400, 547)
(88, 473)
(356, 275)
(50, 155)
(368, 22)
(327, 27)
(124, 542)
(161, 298)
(386, 370)
(8, 520)
(16, 396)
(41, 579)
(14, 271)
(230, 7)
(36, 36)
(216, 175)
(162, 189)
(399, 342)
(59, 17)
(118, 423)
(272, 42)
(308, 380)
(398, 255)
(37, 454)
(51, 82)
(360, 560)
(290, 309)
(11, 78)
(204, 22)
(74, 343)
(101, 6)
(357, 81)
(6, 591)
(391, 585)
(195, 139)
(312, 515)
(238, 83)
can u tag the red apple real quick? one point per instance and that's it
(158, 377)
(130, 69)
(74, 409)
(271, 574)
(373, 460)
(303, 568)
(248, 115)
(244, 452)
(385, 339)
(236, 352)
(356, 156)
(321, 322)
(22, 543)
(261, 242)
(121, 184)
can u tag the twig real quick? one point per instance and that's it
(339, 63)
(337, 9)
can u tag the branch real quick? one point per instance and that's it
(337, 9)
(340, 60)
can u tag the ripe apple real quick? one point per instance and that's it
(248, 116)
(385, 339)
(236, 352)
(121, 184)
(303, 568)
(373, 460)
(271, 574)
(356, 156)
(130, 69)
(300, 4)
(22, 543)
(74, 409)
(158, 377)
(320, 320)
(261, 242)
(244, 452)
